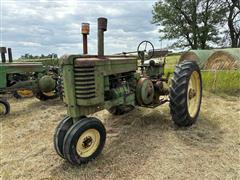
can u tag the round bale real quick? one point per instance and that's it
(200, 56)
(225, 59)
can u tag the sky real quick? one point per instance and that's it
(44, 26)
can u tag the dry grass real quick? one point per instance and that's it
(221, 60)
(143, 144)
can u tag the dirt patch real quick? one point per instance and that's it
(143, 144)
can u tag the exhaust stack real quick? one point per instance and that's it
(102, 27)
(85, 33)
(3, 50)
(10, 59)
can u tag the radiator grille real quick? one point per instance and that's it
(84, 78)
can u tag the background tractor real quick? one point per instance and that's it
(118, 83)
(26, 79)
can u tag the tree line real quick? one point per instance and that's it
(198, 24)
(42, 56)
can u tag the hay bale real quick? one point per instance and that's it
(200, 56)
(225, 59)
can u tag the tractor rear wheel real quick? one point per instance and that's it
(4, 107)
(84, 141)
(186, 93)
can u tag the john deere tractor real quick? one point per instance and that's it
(26, 79)
(118, 83)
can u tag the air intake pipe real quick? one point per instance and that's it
(102, 27)
(85, 33)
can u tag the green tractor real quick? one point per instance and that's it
(118, 83)
(26, 79)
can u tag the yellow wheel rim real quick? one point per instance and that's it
(49, 94)
(193, 96)
(2, 109)
(88, 143)
(25, 93)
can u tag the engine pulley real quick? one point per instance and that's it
(144, 91)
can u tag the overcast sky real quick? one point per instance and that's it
(45, 26)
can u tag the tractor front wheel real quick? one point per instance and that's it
(186, 93)
(84, 141)
(4, 107)
(60, 133)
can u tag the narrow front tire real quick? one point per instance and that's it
(60, 133)
(84, 141)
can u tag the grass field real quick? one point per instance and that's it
(142, 144)
(222, 81)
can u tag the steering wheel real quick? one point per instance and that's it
(145, 50)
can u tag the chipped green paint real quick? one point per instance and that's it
(86, 79)
(14, 68)
(42, 82)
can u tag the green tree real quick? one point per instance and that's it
(192, 23)
(233, 21)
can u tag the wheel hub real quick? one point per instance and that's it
(144, 91)
(88, 143)
(192, 93)
(193, 97)
(25, 93)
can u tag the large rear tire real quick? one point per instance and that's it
(186, 93)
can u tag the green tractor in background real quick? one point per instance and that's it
(118, 83)
(24, 79)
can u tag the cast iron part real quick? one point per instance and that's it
(85, 33)
(102, 27)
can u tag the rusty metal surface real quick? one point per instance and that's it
(102, 23)
(85, 44)
(85, 28)
(85, 32)
(85, 61)
(10, 55)
(144, 91)
(3, 50)
(102, 26)
(160, 53)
